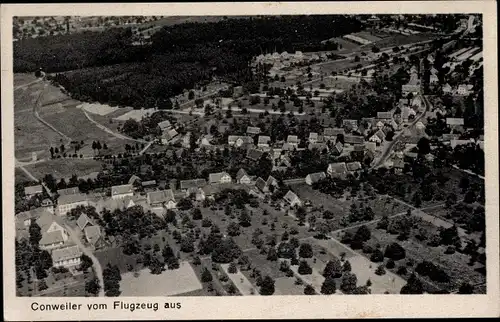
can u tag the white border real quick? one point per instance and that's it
(296, 307)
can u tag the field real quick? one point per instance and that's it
(170, 282)
(367, 35)
(20, 176)
(64, 168)
(399, 40)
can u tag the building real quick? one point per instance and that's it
(68, 202)
(433, 79)
(384, 116)
(455, 143)
(353, 139)
(219, 177)
(162, 198)
(83, 221)
(67, 257)
(165, 125)
(168, 135)
(271, 181)
(313, 137)
(447, 89)
(261, 185)
(149, 185)
(330, 134)
(196, 183)
(48, 205)
(68, 191)
(122, 191)
(338, 148)
(93, 235)
(242, 177)
(54, 235)
(378, 137)
(32, 191)
(292, 140)
(398, 165)
(197, 193)
(351, 125)
(263, 141)
(292, 199)
(239, 141)
(353, 167)
(315, 177)
(337, 170)
(455, 123)
(254, 154)
(464, 90)
(252, 130)
(134, 180)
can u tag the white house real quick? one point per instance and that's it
(263, 141)
(68, 202)
(315, 177)
(337, 170)
(313, 137)
(67, 257)
(122, 191)
(219, 177)
(292, 199)
(242, 177)
(162, 198)
(447, 89)
(464, 90)
(32, 191)
(54, 234)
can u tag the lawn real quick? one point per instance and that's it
(115, 256)
(22, 79)
(244, 286)
(170, 282)
(20, 176)
(64, 168)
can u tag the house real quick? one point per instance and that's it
(416, 102)
(67, 257)
(455, 123)
(164, 125)
(261, 185)
(288, 147)
(93, 235)
(197, 183)
(122, 191)
(271, 181)
(338, 148)
(455, 143)
(197, 193)
(315, 177)
(83, 221)
(209, 191)
(134, 180)
(162, 198)
(434, 71)
(68, 202)
(384, 116)
(313, 137)
(433, 79)
(420, 127)
(54, 235)
(378, 137)
(219, 177)
(223, 128)
(370, 146)
(350, 124)
(464, 90)
(149, 185)
(242, 177)
(48, 205)
(411, 88)
(292, 140)
(254, 154)
(292, 199)
(330, 134)
(68, 191)
(407, 114)
(449, 137)
(276, 153)
(353, 139)
(231, 139)
(337, 170)
(353, 166)
(252, 130)
(240, 141)
(31, 191)
(168, 136)
(24, 219)
(380, 125)
(447, 89)
(263, 141)
(318, 146)
(398, 165)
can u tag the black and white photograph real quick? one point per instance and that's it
(248, 155)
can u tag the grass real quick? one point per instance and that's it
(20, 176)
(115, 256)
(64, 168)
(399, 40)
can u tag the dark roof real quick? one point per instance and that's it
(353, 166)
(69, 199)
(198, 183)
(68, 191)
(315, 177)
(260, 183)
(354, 139)
(254, 154)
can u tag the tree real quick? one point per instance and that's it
(377, 256)
(305, 251)
(413, 286)
(46, 259)
(197, 214)
(390, 264)
(466, 288)
(309, 290)
(395, 252)
(333, 268)
(93, 287)
(42, 285)
(35, 233)
(329, 286)
(225, 251)
(304, 268)
(267, 286)
(232, 269)
(346, 267)
(348, 283)
(206, 276)
(380, 270)
(187, 244)
(423, 146)
(233, 229)
(245, 220)
(272, 255)
(167, 252)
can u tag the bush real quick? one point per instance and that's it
(390, 264)
(232, 269)
(402, 270)
(377, 256)
(206, 276)
(329, 286)
(395, 251)
(305, 251)
(304, 268)
(380, 270)
(367, 249)
(309, 290)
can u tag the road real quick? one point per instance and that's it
(390, 145)
(95, 262)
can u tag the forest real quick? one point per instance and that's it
(106, 67)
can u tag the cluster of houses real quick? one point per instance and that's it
(414, 85)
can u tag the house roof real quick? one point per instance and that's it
(313, 135)
(329, 131)
(292, 139)
(354, 123)
(339, 147)
(232, 138)
(318, 146)
(241, 173)
(353, 166)
(69, 199)
(92, 234)
(420, 125)
(449, 137)
(264, 139)
(354, 139)
(290, 196)
(398, 163)
(216, 177)
(339, 167)
(170, 134)
(260, 183)
(148, 183)
(370, 146)
(454, 143)
(358, 147)
(68, 191)
(164, 124)
(31, 190)
(83, 221)
(161, 196)
(198, 183)
(254, 154)
(315, 177)
(66, 253)
(271, 181)
(287, 147)
(133, 179)
(122, 189)
(384, 115)
(380, 134)
(47, 202)
(51, 238)
(253, 130)
(454, 121)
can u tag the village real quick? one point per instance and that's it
(295, 184)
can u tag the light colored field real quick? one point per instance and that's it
(170, 282)
(135, 114)
(64, 168)
(97, 108)
(240, 281)
(315, 279)
(368, 36)
(286, 286)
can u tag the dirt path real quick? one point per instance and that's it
(32, 177)
(108, 130)
(95, 262)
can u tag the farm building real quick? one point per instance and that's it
(33, 191)
(54, 235)
(68, 202)
(163, 198)
(67, 257)
(122, 191)
(196, 183)
(292, 199)
(337, 170)
(219, 177)
(254, 154)
(315, 177)
(263, 141)
(68, 191)
(252, 130)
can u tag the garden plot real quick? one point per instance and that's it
(170, 282)
(240, 281)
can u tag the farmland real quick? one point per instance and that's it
(64, 168)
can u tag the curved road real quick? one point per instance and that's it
(95, 262)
